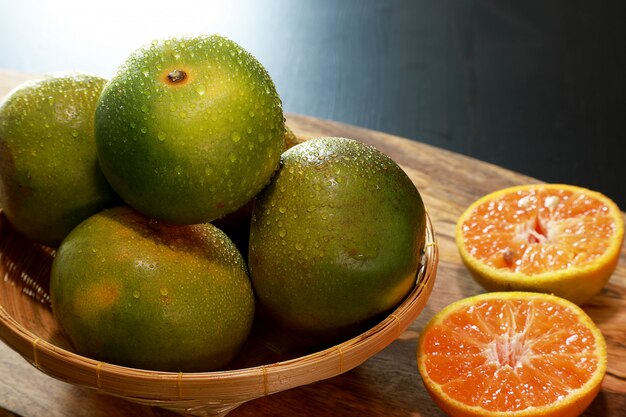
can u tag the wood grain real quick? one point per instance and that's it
(387, 384)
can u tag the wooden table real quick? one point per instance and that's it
(387, 384)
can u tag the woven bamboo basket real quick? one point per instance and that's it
(28, 327)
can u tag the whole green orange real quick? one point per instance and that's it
(189, 129)
(49, 175)
(336, 237)
(137, 292)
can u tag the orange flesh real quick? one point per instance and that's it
(507, 355)
(539, 230)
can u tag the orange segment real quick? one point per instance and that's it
(550, 238)
(528, 354)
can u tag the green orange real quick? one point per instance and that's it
(336, 237)
(189, 129)
(137, 292)
(49, 175)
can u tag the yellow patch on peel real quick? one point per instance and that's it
(96, 297)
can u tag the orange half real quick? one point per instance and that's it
(550, 238)
(512, 354)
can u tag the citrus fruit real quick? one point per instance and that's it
(49, 175)
(136, 292)
(512, 354)
(336, 237)
(550, 238)
(189, 129)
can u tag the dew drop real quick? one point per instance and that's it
(200, 89)
(235, 136)
(299, 246)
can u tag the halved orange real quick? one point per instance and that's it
(512, 354)
(550, 238)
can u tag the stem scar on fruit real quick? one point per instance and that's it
(175, 77)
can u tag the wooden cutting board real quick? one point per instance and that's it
(387, 384)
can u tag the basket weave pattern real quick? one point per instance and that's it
(28, 327)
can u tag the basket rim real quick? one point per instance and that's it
(44, 355)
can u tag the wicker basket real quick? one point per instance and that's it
(28, 327)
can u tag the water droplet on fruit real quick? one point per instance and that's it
(232, 157)
(136, 294)
(164, 292)
(299, 246)
(144, 108)
(161, 136)
(144, 130)
(282, 209)
(235, 136)
(200, 89)
(75, 133)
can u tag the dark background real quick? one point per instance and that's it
(534, 86)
